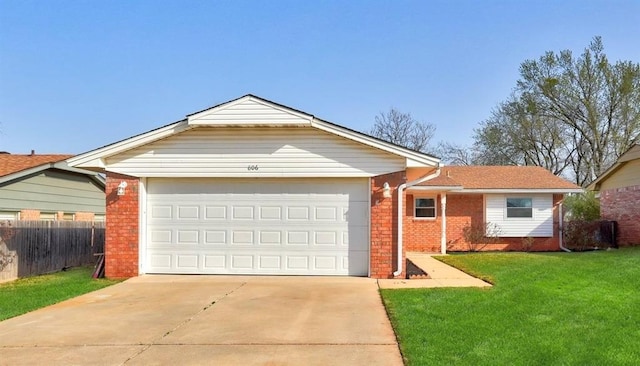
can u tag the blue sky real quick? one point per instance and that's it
(77, 75)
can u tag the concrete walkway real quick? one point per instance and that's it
(442, 275)
(209, 320)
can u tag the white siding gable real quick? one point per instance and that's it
(540, 225)
(250, 111)
(255, 152)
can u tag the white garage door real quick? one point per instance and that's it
(258, 226)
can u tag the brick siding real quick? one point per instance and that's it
(423, 235)
(623, 206)
(384, 226)
(122, 227)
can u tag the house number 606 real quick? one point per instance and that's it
(252, 167)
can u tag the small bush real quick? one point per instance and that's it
(527, 243)
(478, 236)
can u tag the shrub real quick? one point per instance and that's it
(527, 243)
(582, 235)
(582, 207)
(478, 236)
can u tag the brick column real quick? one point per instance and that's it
(84, 216)
(384, 225)
(30, 215)
(122, 227)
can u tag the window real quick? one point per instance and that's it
(48, 216)
(425, 207)
(8, 215)
(519, 208)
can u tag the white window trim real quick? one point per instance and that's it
(415, 207)
(506, 216)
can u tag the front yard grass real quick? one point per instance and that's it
(544, 309)
(28, 294)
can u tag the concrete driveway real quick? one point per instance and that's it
(197, 320)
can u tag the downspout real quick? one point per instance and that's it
(560, 234)
(401, 189)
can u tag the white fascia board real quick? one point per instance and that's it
(63, 165)
(414, 159)
(304, 119)
(521, 190)
(95, 159)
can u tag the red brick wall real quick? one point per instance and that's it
(384, 225)
(122, 226)
(423, 235)
(623, 206)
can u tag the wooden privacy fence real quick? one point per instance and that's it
(29, 248)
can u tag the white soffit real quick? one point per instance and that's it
(249, 111)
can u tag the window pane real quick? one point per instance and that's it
(425, 207)
(519, 212)
(425, 212)
(425, 202)
(520, 207)
(519, 202)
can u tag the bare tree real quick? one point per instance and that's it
(402, 129)
(573, 115)
(455, 154)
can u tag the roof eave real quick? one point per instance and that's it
(629, 155)
(436, 188)
(414, 159)
(521, 190)
(94, 159)
(58, 166)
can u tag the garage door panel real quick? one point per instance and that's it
(289, 227)
(318, 263)
(295, 237)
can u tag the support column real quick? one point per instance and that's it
(443, 235)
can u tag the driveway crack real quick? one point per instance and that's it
(186, 321)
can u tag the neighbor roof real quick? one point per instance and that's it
(495, 178)
(10, 163)
(14, 167)
(629, 155)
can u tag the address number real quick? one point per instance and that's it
(252, 167)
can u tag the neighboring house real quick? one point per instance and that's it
(44, 187)
(254, 187)
(619, 191)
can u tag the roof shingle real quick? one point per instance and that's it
(10, 163)
(499, 177)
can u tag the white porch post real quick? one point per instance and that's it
(443, 235)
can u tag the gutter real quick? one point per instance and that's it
(401, 189)
(560, 234)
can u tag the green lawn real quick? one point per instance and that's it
(544, 309)
(27, 294)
